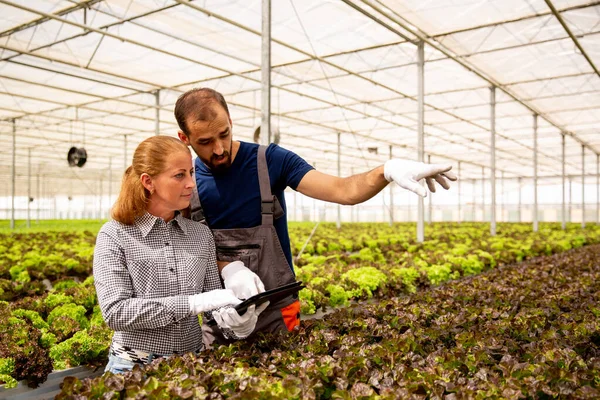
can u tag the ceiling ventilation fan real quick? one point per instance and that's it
(77, 156)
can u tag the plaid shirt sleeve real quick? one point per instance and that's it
(120, 309)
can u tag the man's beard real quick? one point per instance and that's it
(222, 166)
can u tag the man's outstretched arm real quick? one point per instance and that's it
(358, 188)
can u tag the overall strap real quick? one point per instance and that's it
(266, 197)
(197, 213)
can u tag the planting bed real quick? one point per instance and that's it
(530, 330)
(50, 319)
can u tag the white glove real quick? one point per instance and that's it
(241, 325)
(212, 300)
(408, 173)
(241, 280)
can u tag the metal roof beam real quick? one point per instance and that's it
(573, 38)
(337, 105)
(509, 21)
(357, 103)
(514, 83)
(483, 75)
(238, 25)
(83, 107)
(301, 94)
(78, 6)
(99, 97)
(105, 33)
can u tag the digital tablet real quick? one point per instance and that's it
(271, 295)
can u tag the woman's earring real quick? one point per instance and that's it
(152, 191)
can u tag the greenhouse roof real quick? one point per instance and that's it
(97, 74)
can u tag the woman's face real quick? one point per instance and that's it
(173, 187)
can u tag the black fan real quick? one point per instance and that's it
(77, 156)
(274, 132)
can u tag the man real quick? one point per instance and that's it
(240, 190)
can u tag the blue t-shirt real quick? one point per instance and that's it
(232, 199)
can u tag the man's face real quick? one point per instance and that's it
(211, 140)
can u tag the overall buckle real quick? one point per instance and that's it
(267, 207)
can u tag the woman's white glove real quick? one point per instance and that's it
(242, 326)
(408, 173)
(241, 280)
(212, 300)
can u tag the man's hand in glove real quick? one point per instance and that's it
(408, 173)
(241, 280)
(241, 325)
(212, 300)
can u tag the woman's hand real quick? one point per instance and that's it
(241, 325)
(212, 300)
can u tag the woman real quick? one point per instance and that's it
(154, 269)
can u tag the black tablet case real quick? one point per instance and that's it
(272, 295)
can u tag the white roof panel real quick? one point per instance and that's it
(335, 69)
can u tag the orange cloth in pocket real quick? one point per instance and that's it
(291, 315)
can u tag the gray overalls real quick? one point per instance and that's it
(260, 250)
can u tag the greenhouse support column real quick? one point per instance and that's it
(535, 178)
(597, 189)
(474, 187)
(157, 115)
(502, 199)
(391, 196)
(520, 203)
(13, 173)
(43, 195)
(582, 186)
(29, 187)
(353, 209)
(71, 200)
(429, 203)
(85, 200)
(564, 211)
(493, 159)
(100, 202)
(482, 194)
(38, 197)
(295, 205)
(338, 222)
(570, 198)
(301, 208)
(459, 193)
(265, 126)
(421, 131)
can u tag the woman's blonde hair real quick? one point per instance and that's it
(150, 157)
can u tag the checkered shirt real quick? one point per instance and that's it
(144, 274)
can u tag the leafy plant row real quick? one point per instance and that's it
(51, 310)
(57, 330)
(530, 330)
(30, 263)
(378, 260)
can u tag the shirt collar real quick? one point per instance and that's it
(146, 222)
(180, 222)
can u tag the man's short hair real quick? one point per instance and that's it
(198, 103)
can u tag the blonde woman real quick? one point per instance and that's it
(154, 269)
